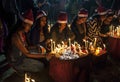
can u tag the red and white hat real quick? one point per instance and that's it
(62, 17)
(101, 11)
(83, 13)
(110, 12)
(40, 14)
(27, 17)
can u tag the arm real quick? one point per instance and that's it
(16, 40)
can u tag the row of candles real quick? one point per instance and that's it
(60, 48)
(114, 31)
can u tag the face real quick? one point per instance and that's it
(43, 21)
(81, 20)
(103, 17)
(108, 20)
(62, 25)
(27, 27)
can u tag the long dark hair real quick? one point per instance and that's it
(37, 26)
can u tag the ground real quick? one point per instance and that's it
(108, 72)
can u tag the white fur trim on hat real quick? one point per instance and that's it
(102, 13)
(41, 15)
(25, 20)
(82, 15)
(59, 21)
(28, 21)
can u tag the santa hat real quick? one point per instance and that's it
(27, 17)
(83, 13)
(62, 17)
(110, 12)
(101, 11)
(40, 14)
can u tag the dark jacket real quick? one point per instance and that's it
(94, 27)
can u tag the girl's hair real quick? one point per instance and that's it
(38, 26)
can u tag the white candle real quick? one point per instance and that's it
(95, 42)
(69, 42)
(32, 80)
(90, 44)
(26, 78)
(110, 28)
(49, 27)
(54, 45)
(117, 31)
(104, 46)
(63, 44)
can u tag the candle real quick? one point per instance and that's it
(53, 45)
(95, 42)
(63, 44)
(110, 28)
(104, 46)
(69, 42)
(49, 27)
(32, 80)
(26, 78)
(118, 31)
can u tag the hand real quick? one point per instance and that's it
(49, 56)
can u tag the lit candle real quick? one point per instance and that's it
(26, 78)
(110, 28)
(54, 45)
(62, 43)
(95, 42)
(69, 42)
(104, 46)
(118, 31)
(49, 27)
(32, 80)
